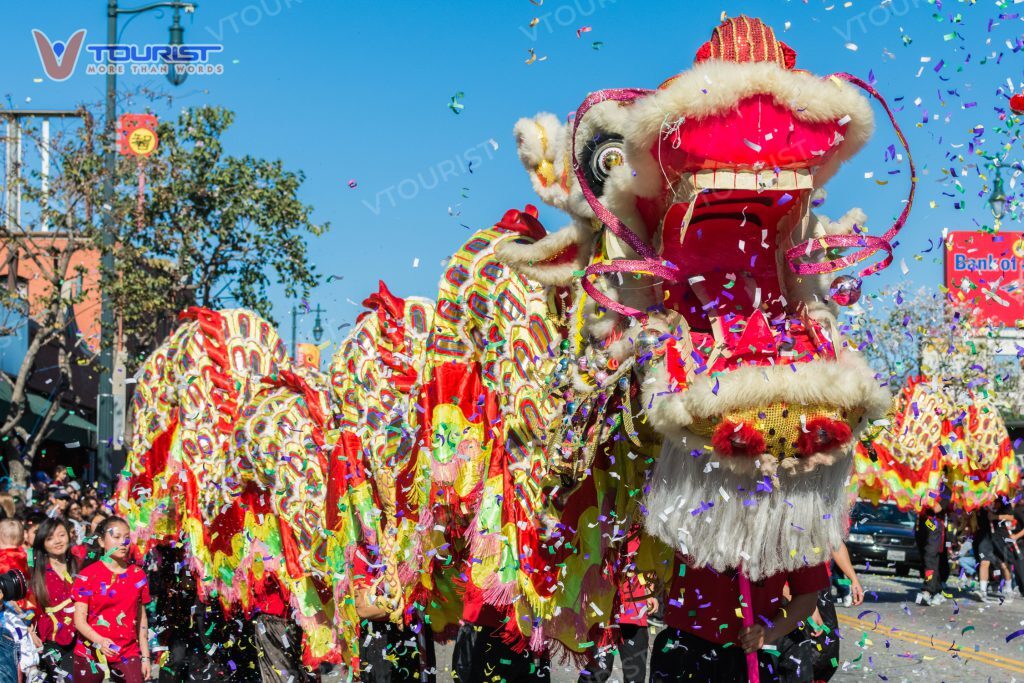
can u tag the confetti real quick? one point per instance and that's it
(957, 180)
(455, 105)
(533, 57)
(878, 617)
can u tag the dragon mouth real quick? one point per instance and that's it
(728, 239)
(740, 184)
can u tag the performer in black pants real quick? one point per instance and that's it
(480, 654)
(811, 652)
(930, 534)
(397, 654)
(1009, 527)
(1017, 510)
(390, 652)
(632, 652)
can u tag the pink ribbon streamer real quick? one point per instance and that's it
(870, 243)
(649, 261)
(753, 674)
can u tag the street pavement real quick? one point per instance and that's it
(889, 638)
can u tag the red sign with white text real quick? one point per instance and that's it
(985, 272)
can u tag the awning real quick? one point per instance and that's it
(66, 427)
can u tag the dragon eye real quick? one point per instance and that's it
(602, 154)
(606, 159)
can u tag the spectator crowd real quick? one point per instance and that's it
(96, 610)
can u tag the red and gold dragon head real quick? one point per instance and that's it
(702, 275)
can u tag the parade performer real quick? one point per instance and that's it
(671, 357)
(629, 624)
(930, 536)
(391, 653)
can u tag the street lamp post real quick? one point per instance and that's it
(318, 328)
(295, 318)
(105, 403)
(997, 200)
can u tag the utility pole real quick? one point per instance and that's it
(295, 316)
(106, 447)
(105, 398)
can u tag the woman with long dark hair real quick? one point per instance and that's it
(53, 569)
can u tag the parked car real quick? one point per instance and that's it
(883, 536)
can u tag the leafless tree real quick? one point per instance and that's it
(906, 332)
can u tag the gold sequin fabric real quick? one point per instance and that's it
(780, 424)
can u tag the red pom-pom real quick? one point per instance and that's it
(823, 435)
(1017, 103)
(732, 439)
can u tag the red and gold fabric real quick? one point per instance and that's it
(933, 443)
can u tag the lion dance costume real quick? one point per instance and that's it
(934, 444)
(668, 365)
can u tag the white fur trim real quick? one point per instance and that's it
(543, 139)
(847, 383)
(529, 259)
(844, 226)
(716, 86)
(800, 521)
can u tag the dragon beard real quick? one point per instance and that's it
(721, 518)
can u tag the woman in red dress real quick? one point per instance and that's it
(110, 612)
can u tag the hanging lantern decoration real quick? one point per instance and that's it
(136, 134)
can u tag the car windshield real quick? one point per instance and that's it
(886, 513)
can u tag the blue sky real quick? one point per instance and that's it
(360, 91)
